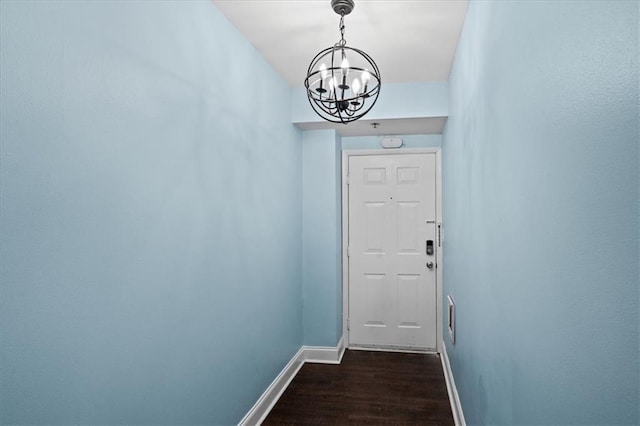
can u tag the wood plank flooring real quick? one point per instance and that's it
(368, 388)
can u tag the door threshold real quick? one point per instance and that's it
(406, 350)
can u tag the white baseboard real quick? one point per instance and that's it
(268, 399)
(454, 399)
(324, 354)
(311, 354)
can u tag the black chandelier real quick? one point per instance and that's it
(343, 83)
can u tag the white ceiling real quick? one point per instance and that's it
(411, 41)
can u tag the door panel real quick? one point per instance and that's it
(392, 212)
(375, 220)
(407, 221)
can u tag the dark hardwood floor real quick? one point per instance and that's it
(368, 388)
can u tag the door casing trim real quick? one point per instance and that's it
(345, 233)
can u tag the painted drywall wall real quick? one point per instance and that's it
(408, 141)
(322, 237)
(541, 179)
(150, 216)
(396, 100)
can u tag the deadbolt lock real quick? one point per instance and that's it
(429, 247)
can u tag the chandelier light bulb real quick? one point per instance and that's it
(323, 71)
(355, 86)
(366, 77)
(332, 87)
(345, 66)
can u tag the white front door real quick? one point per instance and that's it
(392, 251)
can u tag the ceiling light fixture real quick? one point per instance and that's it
(343, 83)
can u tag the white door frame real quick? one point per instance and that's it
(345, 233)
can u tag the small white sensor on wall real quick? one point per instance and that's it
(391, 143)
(451, 318)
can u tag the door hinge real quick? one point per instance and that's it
(348, 324)
(439, 234)
(348, 179)
(348, 251)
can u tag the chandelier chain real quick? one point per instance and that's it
(342, 41)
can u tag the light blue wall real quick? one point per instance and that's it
(396, 100)
(322, 237)
(541, 213)
(408, 141)
(151, 216)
